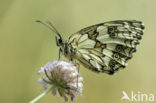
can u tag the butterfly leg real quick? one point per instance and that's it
(59, 54)
(78, 66)
(75, 63)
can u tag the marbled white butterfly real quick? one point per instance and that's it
(104, 47)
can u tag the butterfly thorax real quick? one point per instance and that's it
(68, 50)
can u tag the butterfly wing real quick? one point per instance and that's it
(108, 46)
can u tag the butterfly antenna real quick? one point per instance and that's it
(50, 26)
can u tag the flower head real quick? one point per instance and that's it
(64, 76)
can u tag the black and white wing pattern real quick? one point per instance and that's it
(108, 46)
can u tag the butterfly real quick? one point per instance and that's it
(104, 47)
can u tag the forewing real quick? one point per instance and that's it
(107, 47)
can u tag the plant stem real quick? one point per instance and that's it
(43, 94)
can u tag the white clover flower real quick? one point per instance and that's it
(64, 76)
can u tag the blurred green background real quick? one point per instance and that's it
(25, 46)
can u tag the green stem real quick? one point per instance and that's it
(43, 94)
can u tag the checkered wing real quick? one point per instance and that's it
(108, 46)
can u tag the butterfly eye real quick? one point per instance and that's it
(60, 41)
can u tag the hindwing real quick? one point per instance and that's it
(106, 47)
